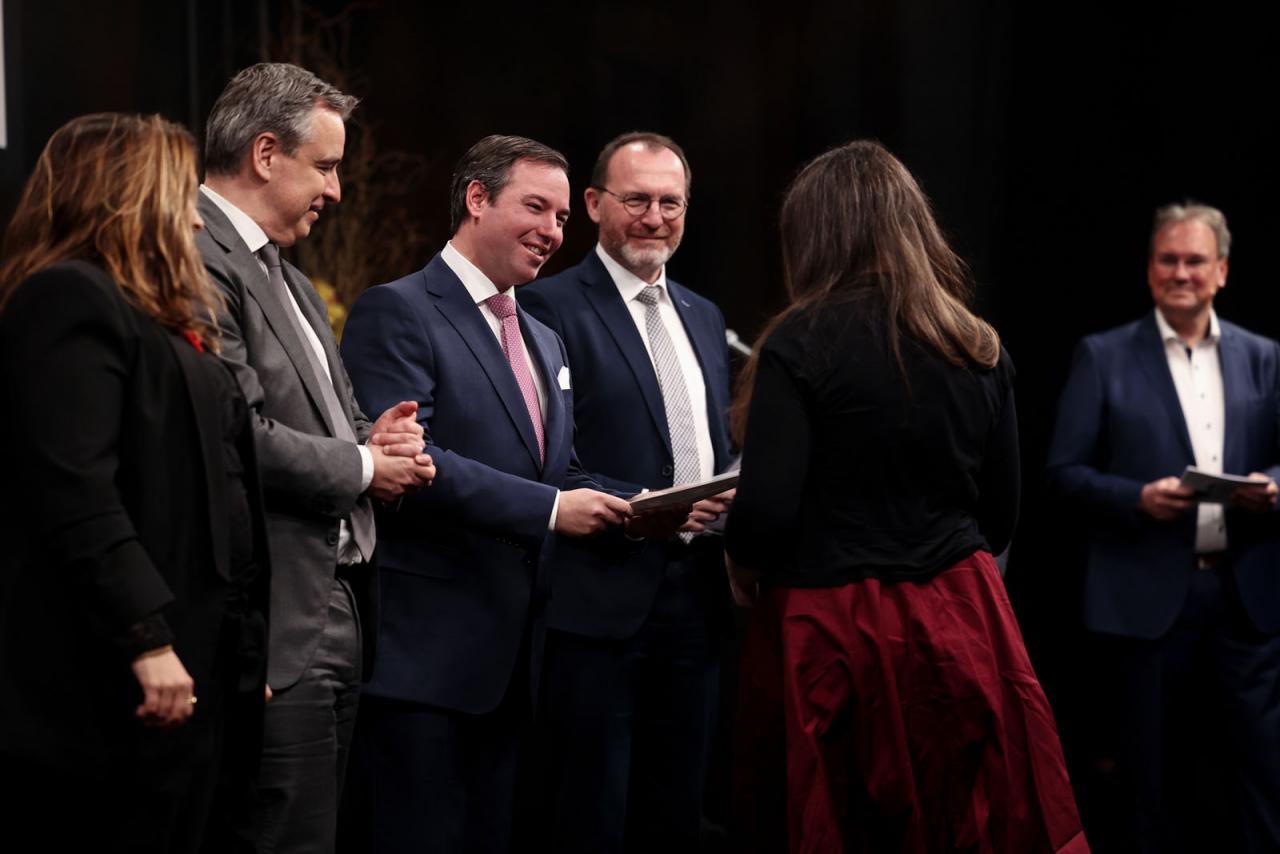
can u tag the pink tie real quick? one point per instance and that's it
(504, 308)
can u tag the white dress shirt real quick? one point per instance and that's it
(255, 238)
(1197, 376)
(629, 286)
(481, 288)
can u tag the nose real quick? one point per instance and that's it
(652, 215)
(332, 188)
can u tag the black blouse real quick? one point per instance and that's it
(853, 469)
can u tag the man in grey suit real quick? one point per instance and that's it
(275, 138)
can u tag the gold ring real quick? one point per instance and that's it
(192, 699)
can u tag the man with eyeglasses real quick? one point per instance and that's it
(632, 653)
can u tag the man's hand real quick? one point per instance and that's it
(394, 476)
(658, 524)
(708, 510)
(168, 692)
(744, 583)
(1165, 499)
(1255, 499)
(397, 430)
(585, 511)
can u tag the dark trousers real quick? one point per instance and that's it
(625, 726)
(307, 730)
(429, 780)
(1204, 725)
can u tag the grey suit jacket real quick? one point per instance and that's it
(310, 478)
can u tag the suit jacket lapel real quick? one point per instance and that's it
(208, 420)
(454, 302)
(275, 307)
(542, 351)
(1150, 354)
(1235, 387)
(706, 346)
(604, 298)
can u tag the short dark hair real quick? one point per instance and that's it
(270, 97)
(489, 161)
(652, 141)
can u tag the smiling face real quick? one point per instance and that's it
(1184, 270)
(511, 235)
(302, 183)
(640, 243)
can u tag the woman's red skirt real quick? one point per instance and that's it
(899, 717)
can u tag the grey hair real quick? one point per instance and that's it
(489, 161)
(1193, 211)
(270, 97)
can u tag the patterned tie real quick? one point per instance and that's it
(675, 395)
(362, 524)
(504, 308)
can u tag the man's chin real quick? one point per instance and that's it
(652, 257)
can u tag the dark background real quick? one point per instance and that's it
(1045, 134)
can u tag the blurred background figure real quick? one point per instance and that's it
(134, 579)
(1182, 594)
(887, 698)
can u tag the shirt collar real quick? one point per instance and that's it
(476, 282)
(250, 232)
(628, 283)
(1168, 334)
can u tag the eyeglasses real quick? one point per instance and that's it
(638, 204)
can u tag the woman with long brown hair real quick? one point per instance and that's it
(134, 577)
(887, 697)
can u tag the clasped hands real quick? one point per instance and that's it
(399, 465)
(1166, 499)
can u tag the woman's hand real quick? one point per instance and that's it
(168, 692)
(744, 583)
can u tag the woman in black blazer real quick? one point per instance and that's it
(887, 698)
(133, 586)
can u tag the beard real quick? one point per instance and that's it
(643, 258)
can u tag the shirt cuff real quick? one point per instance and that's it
(555, 508)
(366, 468)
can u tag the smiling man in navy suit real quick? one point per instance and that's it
(462, 564)
(1189, 592)
(632, 654)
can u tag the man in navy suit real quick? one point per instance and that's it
(1188, 591)
(461, 564)
(632, 653)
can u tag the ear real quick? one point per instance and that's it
(477, 198)
(1222, 274)
(263, 152)
(592, 197)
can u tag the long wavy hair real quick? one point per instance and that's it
(118, 191)
(853, 222)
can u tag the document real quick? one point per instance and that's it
(1215, 488)
(682, 495)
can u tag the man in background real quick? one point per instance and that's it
(1186, 592)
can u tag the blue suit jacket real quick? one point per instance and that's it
(604, 587)
(460, 561)
(1120, 426)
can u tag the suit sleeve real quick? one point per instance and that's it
(1074, 467)
(390, 354)
(320, 473)
(765, 518)
(65, 361)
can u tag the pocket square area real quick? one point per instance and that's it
(564, 378)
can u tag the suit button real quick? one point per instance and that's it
(332, 537)
(666, 471)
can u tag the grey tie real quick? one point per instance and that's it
(362, 526)
(675, 394)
